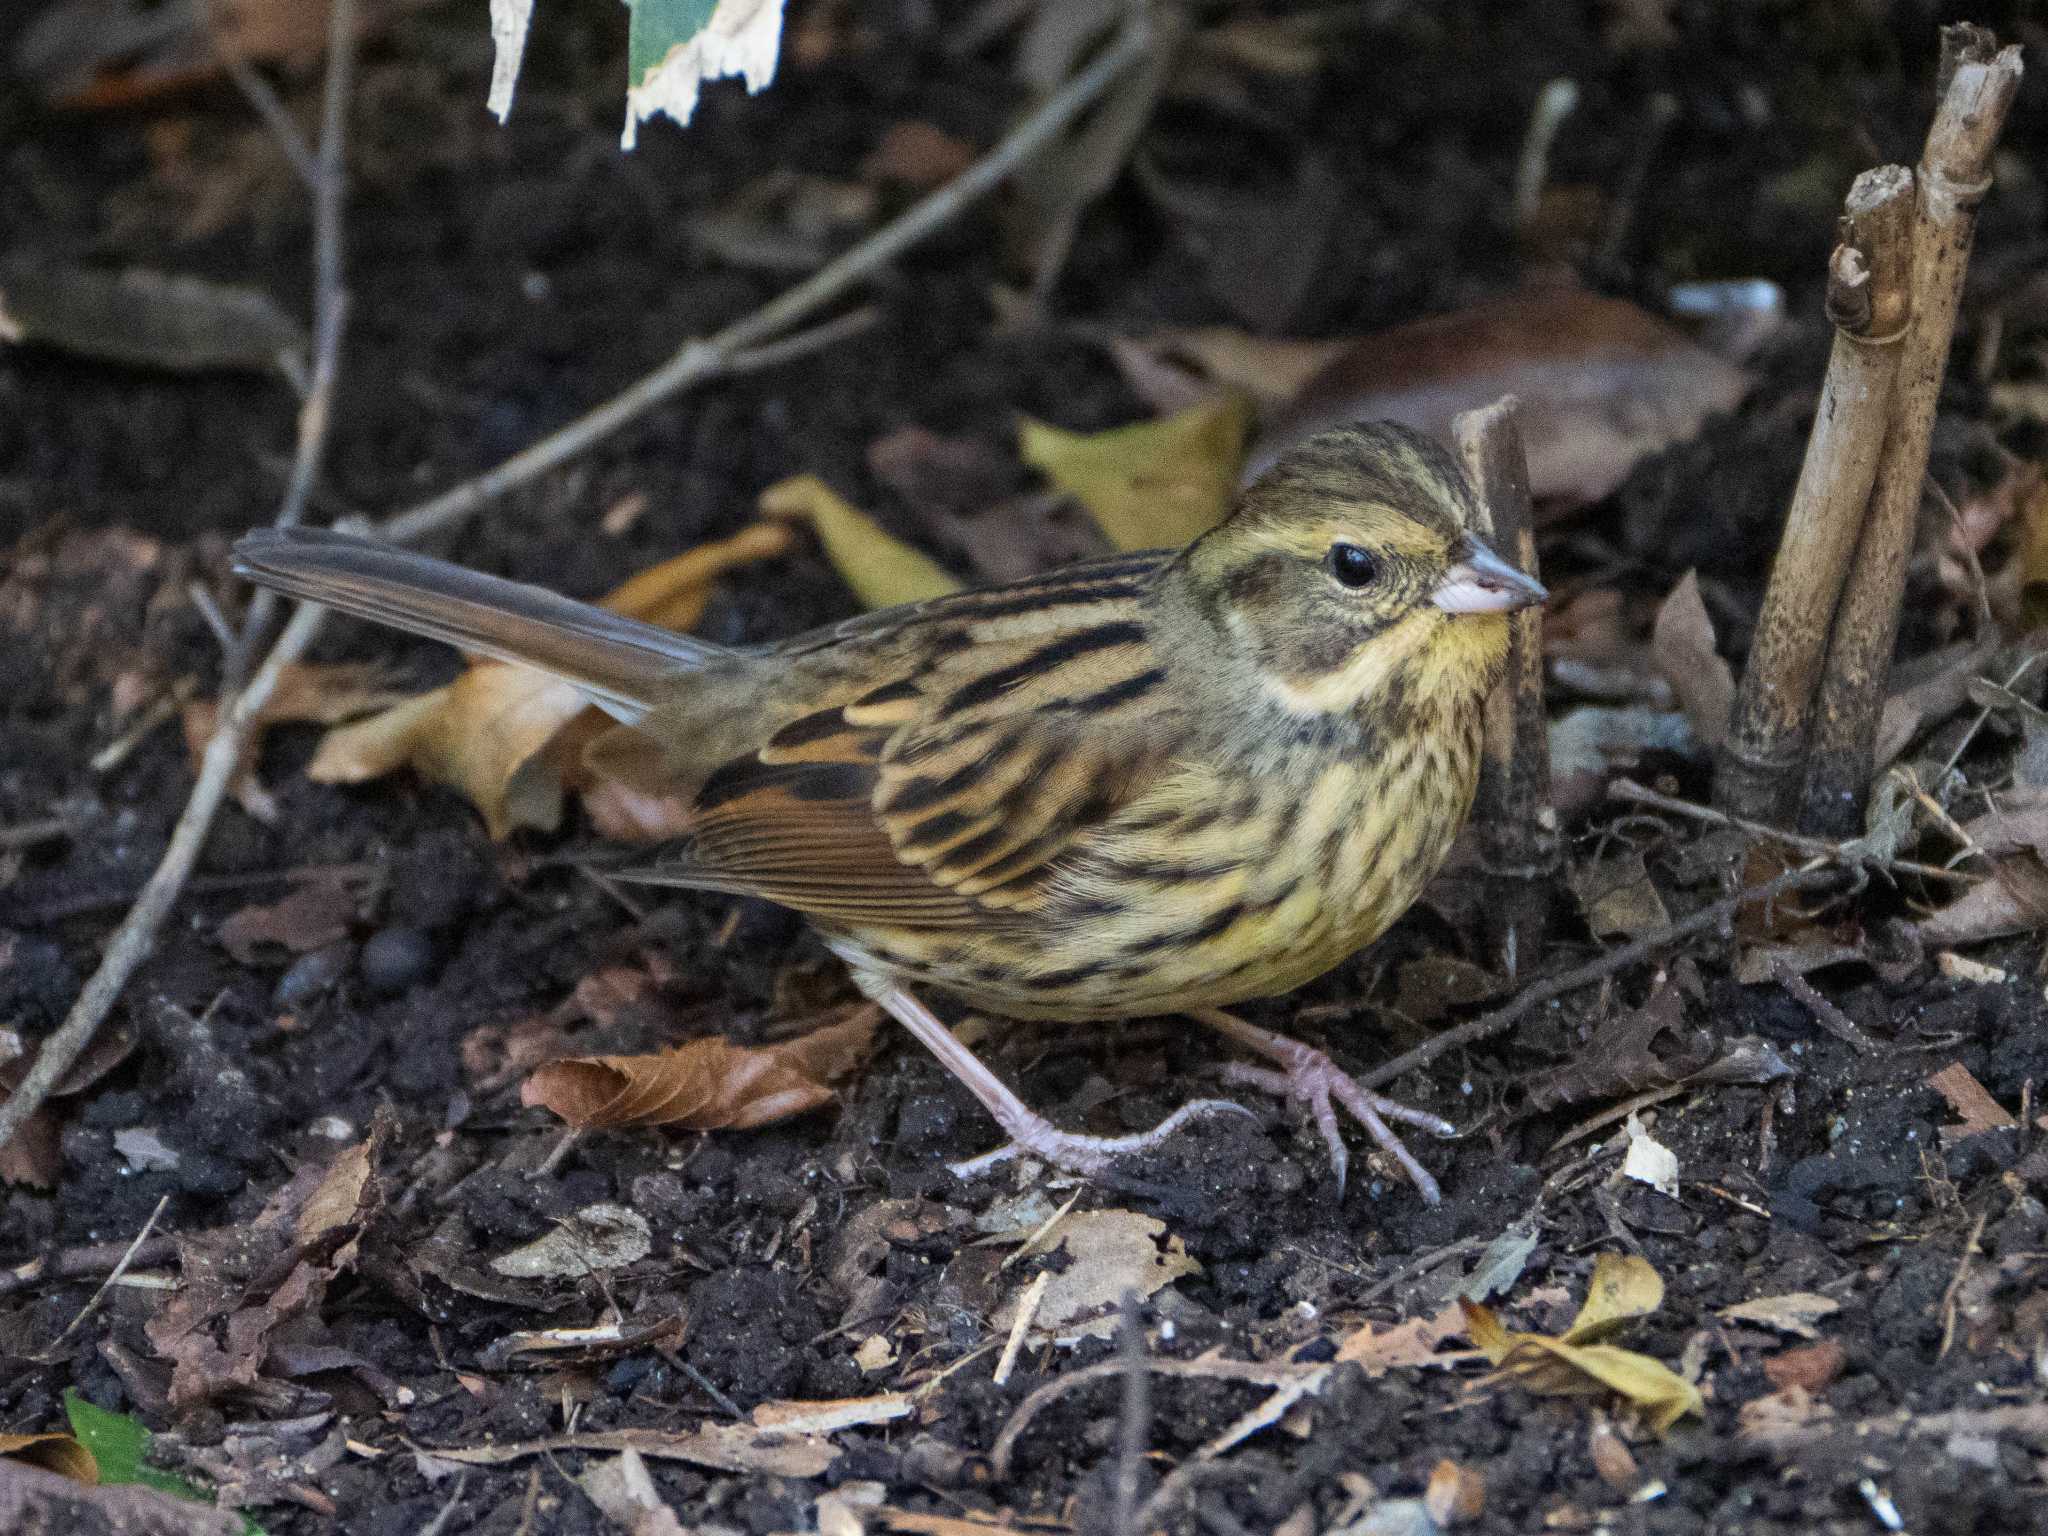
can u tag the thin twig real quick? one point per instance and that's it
(120, 1268)
(1954, 175)
(1826, 1014)
(1488, 1025)
(262, 95)
(693, 363)
(1134, 1415)
(330, 314)
(27, 834)
(1248, 1372)
(1816, 847)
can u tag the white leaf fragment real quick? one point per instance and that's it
(1649, 1161)
(509, 21)
(743, 37)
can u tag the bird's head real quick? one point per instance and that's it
(1353, 562)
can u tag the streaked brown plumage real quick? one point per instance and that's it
(1156, 783)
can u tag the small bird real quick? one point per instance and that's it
(1157, 783)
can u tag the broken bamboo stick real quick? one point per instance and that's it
(1761, 762)
(1953, 176)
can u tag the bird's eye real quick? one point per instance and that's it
(1352, 566)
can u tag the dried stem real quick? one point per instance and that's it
(1954, 174)
(692, 364)
(1758, 772)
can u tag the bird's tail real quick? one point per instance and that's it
(619, 662)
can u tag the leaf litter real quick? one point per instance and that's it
(1580, 1362)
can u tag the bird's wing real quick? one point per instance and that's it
(950, 789)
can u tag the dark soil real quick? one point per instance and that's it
(501, 282)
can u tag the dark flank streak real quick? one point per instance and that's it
(888, 693)
(934, 830)
(994, 685)
(810, 728)
(1125, 692)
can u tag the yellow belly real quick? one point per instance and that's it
(1209, 910)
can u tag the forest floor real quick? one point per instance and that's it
(1889, 1372)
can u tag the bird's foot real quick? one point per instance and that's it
(1308, 1077)
(1030, 1133)
(1085, 1155)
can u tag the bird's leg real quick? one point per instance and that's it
(1309, 1077)
(1029, 1131)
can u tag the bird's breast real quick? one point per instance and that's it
(1220, 884)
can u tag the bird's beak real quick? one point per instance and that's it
(1482, 582)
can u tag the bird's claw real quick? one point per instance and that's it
(1310, 1078)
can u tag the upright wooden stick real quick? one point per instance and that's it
(1954, 175)
(1762, 761)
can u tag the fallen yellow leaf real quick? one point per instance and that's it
(488, 733)
(1152, 485)
(1578, 1363)
(705, 1085)
(881, 569)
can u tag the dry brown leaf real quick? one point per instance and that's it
(1406, 1344)
(1456, 1495)
(917, 154)
(310, 916)
(1617, 896)
(1811, 1367)
(2013, 900)
(1972, 1101)
(722, 1447)
(489, 733)
(246, 1282)
(62, 1454)
(705, 1085)
(1601, 381)
(1580, 1362)
(1795, 1312)
(1682, 644)
(1151, 485)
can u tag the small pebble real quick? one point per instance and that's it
(395, 959)
(312, 976)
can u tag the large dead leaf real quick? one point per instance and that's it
(882, 570)
(1581, 1362)
(1602, 383)
(1151, 485)
(1682, 643)
(246, 1282)
(489, 733)
(705, 1085)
